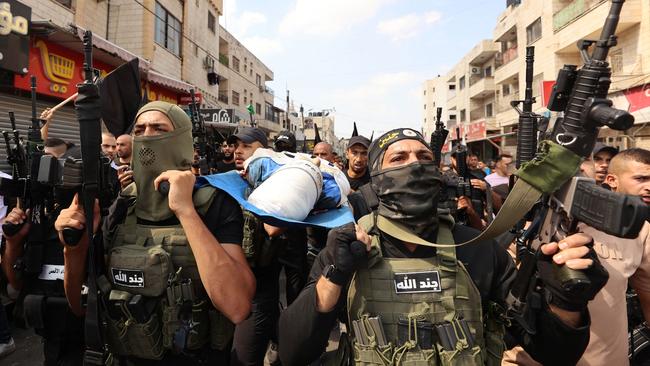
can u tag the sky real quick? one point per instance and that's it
(367, 59)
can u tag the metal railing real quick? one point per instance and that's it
(573, 11)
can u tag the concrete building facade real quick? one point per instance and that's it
(434, 95)
(553, 28)
(243, 79)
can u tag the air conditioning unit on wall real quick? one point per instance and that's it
(208, 63)
(476, 70)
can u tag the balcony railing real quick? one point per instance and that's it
(571, 12)
(503, 58)
(223, 59)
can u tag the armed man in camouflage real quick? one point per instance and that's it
(410, 301)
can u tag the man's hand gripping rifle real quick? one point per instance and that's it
(581, 95)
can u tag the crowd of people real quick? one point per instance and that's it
(192, 278)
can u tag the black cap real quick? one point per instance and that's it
(286, 137)
(360, 140)
(249, 135)
(600, 147)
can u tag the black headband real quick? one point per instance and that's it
(379, 145)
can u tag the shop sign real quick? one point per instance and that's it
(58, 70)
(14, 36)
(155, 92)
(639, 97)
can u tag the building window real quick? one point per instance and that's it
(488, 71)
(452, 86)
(452, 117)
(616, 60)
(235, 98)
(245, 99)
(462, 115)
(245, 66)
(168, 30)
(258, 79)
(534, 31)
(258, 108)
(506, 89)
(488, 110)
(66, 3)
(425, 92)
(211, 22)
(461, 83)
(196, 51)
(425, 120)
(235, 63)
(425, 106)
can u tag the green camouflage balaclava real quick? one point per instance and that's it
(409, 193)
(153, 155)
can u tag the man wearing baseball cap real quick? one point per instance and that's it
(357, 155)
(252, 336)
(247, 140)
(602, 155)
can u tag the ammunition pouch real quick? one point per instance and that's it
(128, 337)
(130, 265)
(157, 302)
(260, 250)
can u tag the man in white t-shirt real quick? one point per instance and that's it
(502, 172)
(629, 173)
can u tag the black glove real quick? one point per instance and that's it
(349, 253)
(575, 300)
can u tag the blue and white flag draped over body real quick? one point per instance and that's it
(234, 185)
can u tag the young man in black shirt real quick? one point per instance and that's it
(201, 230)
(406, 185)
(357, 154)
(228, 162)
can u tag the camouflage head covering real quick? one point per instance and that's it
(409, 193)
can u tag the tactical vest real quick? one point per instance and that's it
(419, 311)
(157, 301)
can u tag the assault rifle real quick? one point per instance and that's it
(25, 165)
(581, 95)
(527, 131)
(87, 107)
(16, 155)
(528, 121)
(438, 138)
(200, 135)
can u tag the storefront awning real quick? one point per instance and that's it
(166, 81)
(113, 49)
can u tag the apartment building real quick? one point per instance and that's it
(467, 95)
(176, 43)
(434, 96)
(554, 28)
(243, 79)
(325, 121)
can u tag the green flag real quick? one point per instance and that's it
(250, 108)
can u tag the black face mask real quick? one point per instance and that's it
(409, 194)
